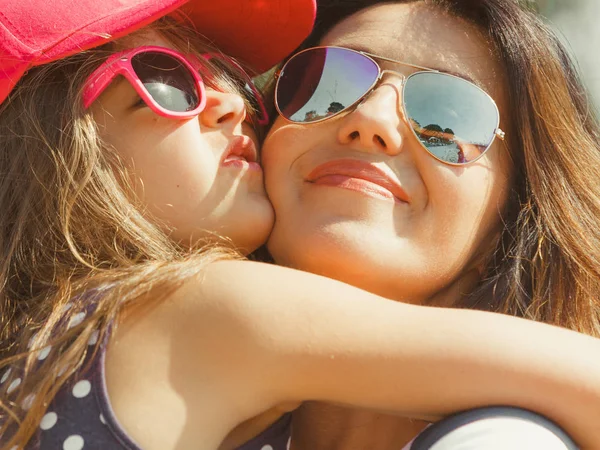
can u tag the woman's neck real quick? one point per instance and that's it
(320, 426)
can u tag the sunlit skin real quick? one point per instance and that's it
(176, 165)
(412, 251)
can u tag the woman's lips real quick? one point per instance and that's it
(360, 176)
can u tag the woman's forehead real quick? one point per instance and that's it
(423, 35)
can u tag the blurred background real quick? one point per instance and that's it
(577, 23)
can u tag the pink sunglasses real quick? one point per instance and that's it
(167, 81)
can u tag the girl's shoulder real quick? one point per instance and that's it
(81, 414)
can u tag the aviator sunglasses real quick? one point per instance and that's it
(168, 81)
(453, 119)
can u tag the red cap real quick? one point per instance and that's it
(35, 32)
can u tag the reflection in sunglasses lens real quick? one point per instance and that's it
(453, 119)
(167, 80)
(321, 82)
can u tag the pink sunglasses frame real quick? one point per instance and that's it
(120, 64)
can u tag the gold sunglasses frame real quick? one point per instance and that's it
(498, 133)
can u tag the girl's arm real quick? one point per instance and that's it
(246, 336)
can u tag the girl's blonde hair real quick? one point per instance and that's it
(72, 235)
(546, 265)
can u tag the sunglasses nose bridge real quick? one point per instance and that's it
(379, 81)
(400, 84)
(393, 72)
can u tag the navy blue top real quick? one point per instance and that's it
(81, 417)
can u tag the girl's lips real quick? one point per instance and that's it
(241, 163)
(241, 152)
(360, 176)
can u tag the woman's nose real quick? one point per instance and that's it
(376, 124)
(223, 109)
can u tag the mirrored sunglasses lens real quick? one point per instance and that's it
(167, 80)
(321, 82)
(454, 119)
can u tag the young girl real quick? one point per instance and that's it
(129, 169)
(117, 163)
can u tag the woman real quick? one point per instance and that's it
(414, 192)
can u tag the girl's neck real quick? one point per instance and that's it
(320, 426)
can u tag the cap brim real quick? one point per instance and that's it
(94, 23)
(258, 32)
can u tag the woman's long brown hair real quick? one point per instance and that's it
(546, 266)
(72, 235)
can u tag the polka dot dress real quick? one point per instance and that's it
(276, 437)
(80, 418)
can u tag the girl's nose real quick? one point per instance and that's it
(223, 109)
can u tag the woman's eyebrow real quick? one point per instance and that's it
(438, 69)
(457, 74)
